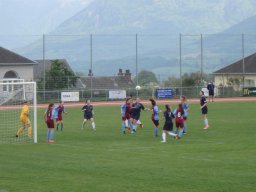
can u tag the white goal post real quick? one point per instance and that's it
(12, 97)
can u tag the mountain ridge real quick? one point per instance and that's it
(158, 46)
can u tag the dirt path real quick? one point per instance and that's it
(116, 103)
(195, 100)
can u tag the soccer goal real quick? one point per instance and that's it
(14, 97)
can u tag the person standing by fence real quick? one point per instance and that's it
(210, 88)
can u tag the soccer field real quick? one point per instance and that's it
(221, 158)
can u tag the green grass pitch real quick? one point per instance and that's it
(221, 158)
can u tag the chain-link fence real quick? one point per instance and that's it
(144, 93)
(100, 63)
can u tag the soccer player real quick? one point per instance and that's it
(179, 120)
(123, 109)
(49, 120)
(143, 108)
(125, 113)
(59, 110)
(185, 106)
(155, 116)
(128, 120)
(204, 109)
(88, 114)
(25, 121)
(135, 113)
(210, 88)
(168, 125)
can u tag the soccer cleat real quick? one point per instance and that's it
(51, 141)
(141, 125)
(206, 127)
(163, 141)
(16, 135)
(177, 137)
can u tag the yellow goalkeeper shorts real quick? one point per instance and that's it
(25, 121)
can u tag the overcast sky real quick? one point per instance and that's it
(26, 17)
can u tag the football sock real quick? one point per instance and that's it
(51, 134)
(57, 126)
(155, 131)
(130, 124)
(30, 132)
(134, 127)
(20, 130)
(93, 125)
(123, 125)
(185, 128)
(48, 135)
(83, 124)
(206, 122)
(61, 126)
(164, 136)
(180, 133)
(172, 134)
(126, 123)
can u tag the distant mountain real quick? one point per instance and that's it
(232, 44)
(157, 16)
(158, 25)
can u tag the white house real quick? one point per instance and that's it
(15, 66)
(242, 72)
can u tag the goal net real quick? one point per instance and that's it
(16, 124)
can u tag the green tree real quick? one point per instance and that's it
(146, 78)
(59, 76)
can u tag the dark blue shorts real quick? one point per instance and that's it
(204, 110)
(211, 92)
(135, 116)
(168, 126)
(88, 116)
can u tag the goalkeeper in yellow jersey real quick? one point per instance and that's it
(24, 119)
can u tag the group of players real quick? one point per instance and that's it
(130, 112)
(55, 113)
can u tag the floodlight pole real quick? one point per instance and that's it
(91, 61)
(201, 59)
(44, 63)
(35, 112)
(243, 57)
(180, 68)
(136, 58)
